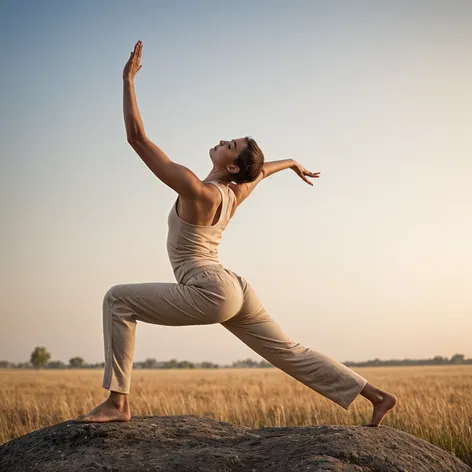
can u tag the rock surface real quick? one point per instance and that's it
(192, 443)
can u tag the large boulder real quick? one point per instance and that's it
(191, 443)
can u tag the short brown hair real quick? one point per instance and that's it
(249, 161)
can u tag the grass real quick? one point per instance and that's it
(434, 403)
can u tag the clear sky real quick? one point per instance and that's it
(373, 261)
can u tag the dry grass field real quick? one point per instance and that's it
(435, 403)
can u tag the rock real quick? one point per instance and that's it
(191, 443)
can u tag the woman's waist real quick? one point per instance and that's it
(185, 276)
(184, 269)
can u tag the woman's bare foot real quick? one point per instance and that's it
(114, 408)
(381, 408)
(382, 401)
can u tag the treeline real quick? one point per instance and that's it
(40, 359)
(456, 359)
(79, 363)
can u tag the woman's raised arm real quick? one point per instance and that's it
(178, 177)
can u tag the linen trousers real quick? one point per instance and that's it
(208, 295)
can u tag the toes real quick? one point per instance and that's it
(84, 418)
(87, 419)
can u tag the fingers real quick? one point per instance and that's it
(302, 172)
(307, 172)
(138, 50)
(135, 56)
(133, 65)
(302, 176)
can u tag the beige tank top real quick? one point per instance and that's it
(191, 246)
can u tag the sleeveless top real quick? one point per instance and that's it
(191, 246)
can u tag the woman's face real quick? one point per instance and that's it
(224, 153)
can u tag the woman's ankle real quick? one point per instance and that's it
(372, 393)
(118, 400)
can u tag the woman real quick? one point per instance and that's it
(206, 292)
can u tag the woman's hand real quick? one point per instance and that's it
(132, 66)
(302, 172)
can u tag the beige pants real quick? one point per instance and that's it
(213, 294)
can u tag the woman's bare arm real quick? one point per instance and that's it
(178, 177)
(272, 167)
(242, 191)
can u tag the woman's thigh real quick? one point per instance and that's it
(209, 298)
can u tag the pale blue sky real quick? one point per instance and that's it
(373, 261)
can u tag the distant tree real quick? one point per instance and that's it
(208, 365)
(246, 363)
(440, 360)
(76, 362)
(150, 363)
(56, 365)
(6, 365)
(457, 359)
(172, 364)
(40, 357)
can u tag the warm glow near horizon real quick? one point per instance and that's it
(373, 261)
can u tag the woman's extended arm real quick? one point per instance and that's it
(242, 191)
(272, 167)
(176, 176)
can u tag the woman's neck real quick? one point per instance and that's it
(217, 174)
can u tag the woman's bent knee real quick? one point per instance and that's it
(113, 294)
